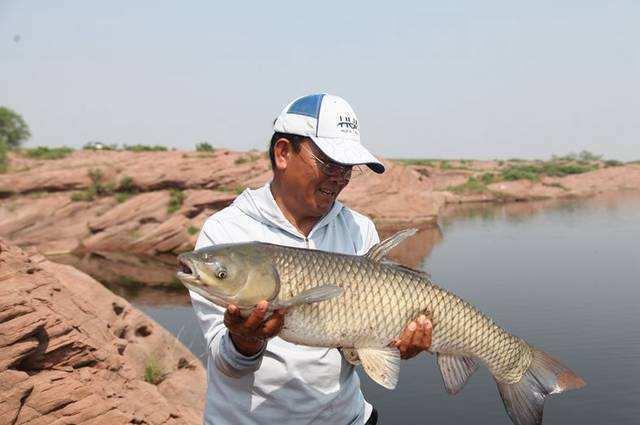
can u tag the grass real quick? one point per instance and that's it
(205, 147)
(45, 152)
(247, 158)
(422, 162)
(144, 148)
(153, 373)
(175, 200)
(553, 168)
(472, 185)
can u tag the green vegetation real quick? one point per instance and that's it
(612, 163)
(423, 162)
(144, 148)
(487, 178)
(96, 188)
(127, 185)
(472, 185)
(205, 147)
(175, 200)
(554, 168)
(122, 197)
(45, 152)
(251, 157)
(192, 230)
(153, 373)
(13, 129)
(3, 156)
(445, 165)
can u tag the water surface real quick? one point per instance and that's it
(563, 275)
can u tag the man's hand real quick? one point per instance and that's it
(415, 338)
(249, 335)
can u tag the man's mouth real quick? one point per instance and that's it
(327, 192)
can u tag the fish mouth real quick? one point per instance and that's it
(186, 271)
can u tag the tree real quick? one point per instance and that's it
(13, 129)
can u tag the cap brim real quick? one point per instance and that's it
(348, 152)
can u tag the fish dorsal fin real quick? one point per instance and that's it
(380, 250)
(310, 296)
(382, 364)
(456, 370)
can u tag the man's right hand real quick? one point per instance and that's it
(250, 334)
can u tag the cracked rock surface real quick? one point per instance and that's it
(73, 352)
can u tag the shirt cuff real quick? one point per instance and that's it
(237, 361)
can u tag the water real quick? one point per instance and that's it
(562, 275)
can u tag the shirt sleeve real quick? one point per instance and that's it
(225, 356)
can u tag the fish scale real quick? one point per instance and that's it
(378, 302)
(360, 304)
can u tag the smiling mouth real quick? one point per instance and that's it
(326, 192)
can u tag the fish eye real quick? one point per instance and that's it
(222, 274)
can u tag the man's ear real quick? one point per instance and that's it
(282, 152)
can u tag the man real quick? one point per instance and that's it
(254, 377)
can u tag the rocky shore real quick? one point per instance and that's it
(155, 202)
(73, 352)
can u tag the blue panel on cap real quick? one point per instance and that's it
(308, 105)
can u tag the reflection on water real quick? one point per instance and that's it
(564, 275)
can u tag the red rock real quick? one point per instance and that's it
(71, 351)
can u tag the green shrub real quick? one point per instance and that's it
(520, 172)
(44, 152)
(153, 373)
(204, 147)
(487, 178)
(472, 185)
(251, 157)
(445, 165)
(175, 200)
(127, 185)
(122, 197)
(612, 163)
(4, 161)
(422, 162)
(144, 148)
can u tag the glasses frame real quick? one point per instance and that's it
(334, 169)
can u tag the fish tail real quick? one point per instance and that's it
(524, 400)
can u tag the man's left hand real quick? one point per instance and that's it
(415, 338)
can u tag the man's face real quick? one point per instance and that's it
(308, 186)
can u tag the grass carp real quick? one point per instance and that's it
(360, 304)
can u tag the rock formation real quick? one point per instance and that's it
(73, 352)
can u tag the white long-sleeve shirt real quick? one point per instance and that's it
(285, 383)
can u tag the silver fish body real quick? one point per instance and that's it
(362, 303)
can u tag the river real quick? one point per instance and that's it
(564, 275)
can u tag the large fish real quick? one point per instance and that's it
(361, 303)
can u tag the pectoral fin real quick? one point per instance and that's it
(310, 296)
(456, 370)
(382, 364)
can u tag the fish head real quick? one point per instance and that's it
(240, 274)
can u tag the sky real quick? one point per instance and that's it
(456, 79)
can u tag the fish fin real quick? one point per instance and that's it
(524, 400)
(456, 371)
(379, 250)
(382, 364)
(310, 296)
(351, 355)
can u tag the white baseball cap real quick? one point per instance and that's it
(330, 122)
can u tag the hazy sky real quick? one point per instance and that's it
(465, 79)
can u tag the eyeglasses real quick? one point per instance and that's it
(333, 169)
